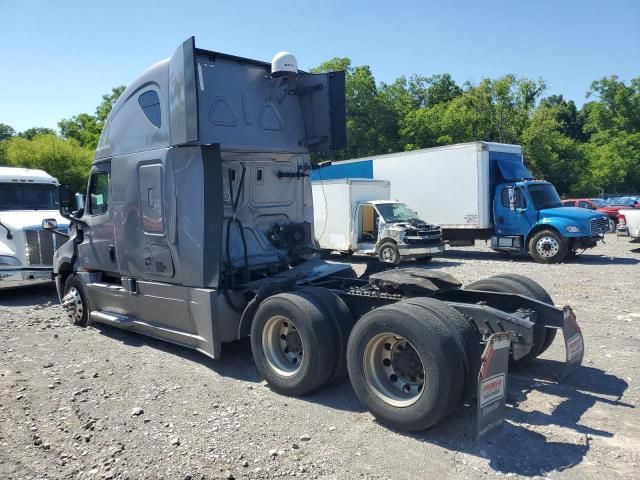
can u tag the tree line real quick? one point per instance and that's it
(583, 151)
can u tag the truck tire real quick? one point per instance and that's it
(547, 246)
(75, 302)
(338, 313)
(404, 366)
(509, 285)
(466, 335)
(293, 344)
(389, 253)
(539, 293)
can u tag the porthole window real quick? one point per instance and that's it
(150, 104)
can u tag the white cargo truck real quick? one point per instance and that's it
(481, 191)
(356, 216)
(27, 199)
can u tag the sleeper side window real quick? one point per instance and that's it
(150, 104)
(99, 193)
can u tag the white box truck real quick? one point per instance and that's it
(481, 191)
(356, 216)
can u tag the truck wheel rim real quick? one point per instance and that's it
(388, 255)
(547, 247)
(72, 303)
(282, 346)
(394, 370)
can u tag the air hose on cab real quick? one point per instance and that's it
(234, 219)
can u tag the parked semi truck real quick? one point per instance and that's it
(482, 191)
(27, 199)
(357, 216)
(198, 230)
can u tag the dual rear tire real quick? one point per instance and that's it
(299, 339)
(520, 285)
(413, 362)
(410, 363)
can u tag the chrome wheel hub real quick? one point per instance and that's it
(388, 255)
(547, 247)
(394, 370)
(282, 346)
(72, 303)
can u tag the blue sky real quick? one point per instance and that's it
(58, 58)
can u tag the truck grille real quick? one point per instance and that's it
(40, 246)
(599, 226)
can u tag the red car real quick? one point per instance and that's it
(597, 204)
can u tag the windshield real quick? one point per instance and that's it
(599, 202)
(396, 212)
(544, 195)
(28, 196)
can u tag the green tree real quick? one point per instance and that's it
(29, 133)
(551, 154)
(6, 131)
(63, 158)
(85, 128)
(617, 106)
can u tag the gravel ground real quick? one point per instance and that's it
(103, 403)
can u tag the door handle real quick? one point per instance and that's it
(112, 253)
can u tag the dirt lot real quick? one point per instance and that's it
(104, 403)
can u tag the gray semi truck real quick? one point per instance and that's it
(197, 229)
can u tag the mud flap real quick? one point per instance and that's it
(573, 343)
(492, 384)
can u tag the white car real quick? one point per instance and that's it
(27, 198)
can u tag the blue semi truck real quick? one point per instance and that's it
(481, 191)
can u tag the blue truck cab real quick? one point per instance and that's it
(529, 217)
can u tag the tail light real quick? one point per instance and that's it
(621, 220)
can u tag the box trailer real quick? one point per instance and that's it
(481, 191)
(197, 231)
(357, 216)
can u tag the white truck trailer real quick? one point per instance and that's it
(27, 199)
(356, 216)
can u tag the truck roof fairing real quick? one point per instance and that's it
(202, 97)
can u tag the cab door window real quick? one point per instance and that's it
(99, 193)
(518, 199)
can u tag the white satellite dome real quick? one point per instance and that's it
(283, 64)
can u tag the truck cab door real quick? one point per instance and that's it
(366, 226)
(97, 251)
(512, 211)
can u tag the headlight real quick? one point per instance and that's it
(9, 261)
(572, 229)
